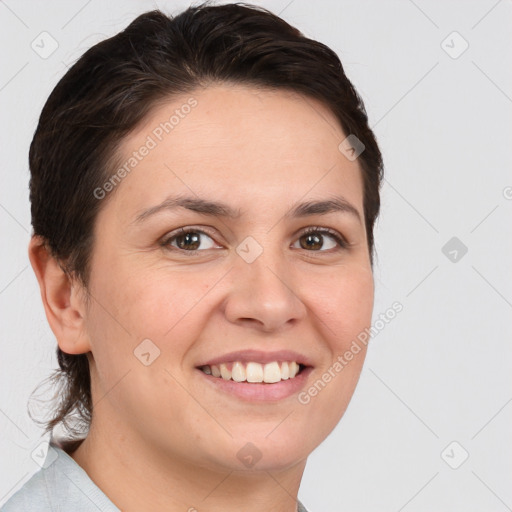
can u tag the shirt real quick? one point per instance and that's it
(61, 485)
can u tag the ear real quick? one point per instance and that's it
(63, 299)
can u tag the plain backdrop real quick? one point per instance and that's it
(429, 426)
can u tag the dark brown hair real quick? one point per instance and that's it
(108, 92)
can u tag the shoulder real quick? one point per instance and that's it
(60, 484)
(32, 496)
(301, 507)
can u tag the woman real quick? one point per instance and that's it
(204, 190)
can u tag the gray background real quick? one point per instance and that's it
(441, 370)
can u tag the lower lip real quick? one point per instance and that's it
(260, 392)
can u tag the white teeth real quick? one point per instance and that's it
(238, 372)
(254, 372)
(285, 371)
(225, 372)
(271, 372)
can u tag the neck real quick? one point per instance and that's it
(138, 477)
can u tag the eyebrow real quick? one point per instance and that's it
(336, 204)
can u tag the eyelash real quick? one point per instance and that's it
(342, 243)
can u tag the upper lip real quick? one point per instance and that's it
(258, 356)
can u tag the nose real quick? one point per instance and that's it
(263, 294)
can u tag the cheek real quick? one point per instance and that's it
(146, 303)
(162, 303)
(343, 304)
(343, 307)
(129, 309)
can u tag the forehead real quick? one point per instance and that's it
(236, 141)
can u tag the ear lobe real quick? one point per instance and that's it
(62, 300)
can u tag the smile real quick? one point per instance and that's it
(257, 391)
(253, 372)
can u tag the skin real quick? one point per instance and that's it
(160, 438)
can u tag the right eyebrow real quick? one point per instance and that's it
(195, 204)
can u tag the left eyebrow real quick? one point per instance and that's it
(336, 204)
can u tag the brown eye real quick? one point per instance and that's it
(313, 239)
(188, 240)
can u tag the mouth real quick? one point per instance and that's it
(253, 372)
(256, 382)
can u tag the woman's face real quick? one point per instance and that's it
(165, 303)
